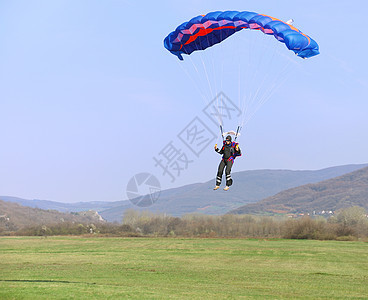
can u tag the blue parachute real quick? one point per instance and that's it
(205, 31)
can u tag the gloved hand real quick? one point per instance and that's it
(216, 149)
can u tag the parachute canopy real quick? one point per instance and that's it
(205, 31)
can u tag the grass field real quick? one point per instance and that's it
(165, 268)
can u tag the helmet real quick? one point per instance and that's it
(228, 138)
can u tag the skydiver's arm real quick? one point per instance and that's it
(218, 150)
(238, 151)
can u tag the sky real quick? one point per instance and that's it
(89, 96)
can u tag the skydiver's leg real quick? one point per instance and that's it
(220, 172)
(229, 180)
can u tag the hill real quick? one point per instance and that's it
(329, 195)
(14, 216)
(60, 206)
(249, 187)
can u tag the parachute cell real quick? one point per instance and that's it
(205, 31)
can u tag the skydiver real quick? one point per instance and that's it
(229, 151)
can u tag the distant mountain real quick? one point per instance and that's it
(329, 195)
(60, 206)
(14, 216)
(115, 213)
(249, 187)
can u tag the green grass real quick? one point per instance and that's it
(163, 268)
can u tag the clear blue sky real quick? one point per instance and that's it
(89, 95)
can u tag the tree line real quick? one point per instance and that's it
(347, 224)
